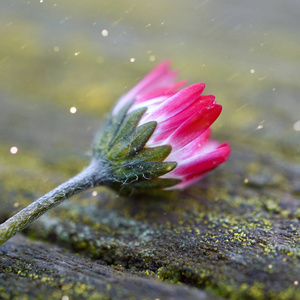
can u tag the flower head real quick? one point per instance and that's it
(159, 136)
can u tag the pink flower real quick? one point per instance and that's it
(183, 121)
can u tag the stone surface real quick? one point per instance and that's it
(235, 234)
(41, 271)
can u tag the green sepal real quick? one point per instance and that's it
(132, 165)
(111, 128)
(129, 123)
(145, 171)
(132, 143)
(159, 183)
(154, 154)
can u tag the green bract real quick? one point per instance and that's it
(121, 147)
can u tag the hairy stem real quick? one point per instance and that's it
(89, 177)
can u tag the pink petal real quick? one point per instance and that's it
(152, 79)
(157, 78)
(197, 165)
(177, 103)
(192, 170)
(193, 127)
(185, 183)
(165, 129)
(175, 121)
(164, 91)
(199, 145)
(151, 105)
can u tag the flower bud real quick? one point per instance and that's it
(158, 136)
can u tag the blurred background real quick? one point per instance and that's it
(64, 63)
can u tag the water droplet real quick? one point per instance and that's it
(252, 71)
(152, 58)
(14, 150)
(73, 110)
(260, 125)
(297, 126)
(104, 32)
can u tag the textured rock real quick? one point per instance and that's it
(235, 234)
(40, 271)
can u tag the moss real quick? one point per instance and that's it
(180, 239)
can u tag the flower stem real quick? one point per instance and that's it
(89, 177)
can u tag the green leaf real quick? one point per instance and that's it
(132, 143)
(154, 154)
